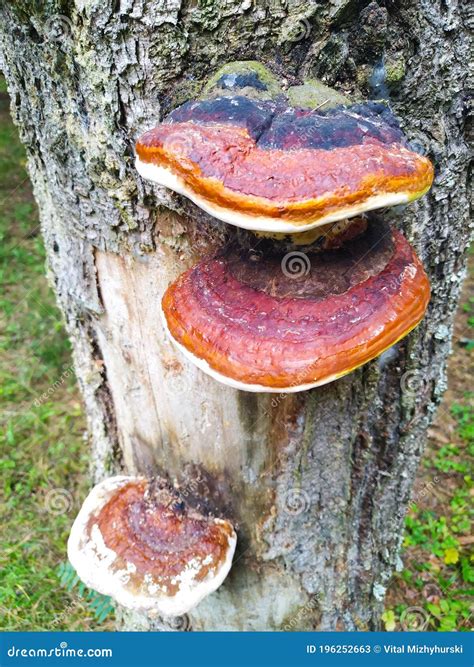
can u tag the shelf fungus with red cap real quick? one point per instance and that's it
(265, 166)
(136, 540)
(277, 322)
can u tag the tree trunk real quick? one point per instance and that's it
(317, 483)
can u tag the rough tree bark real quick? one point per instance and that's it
(317, 483)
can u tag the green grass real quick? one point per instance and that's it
(438, 576)
(43, 460)
(435, 589)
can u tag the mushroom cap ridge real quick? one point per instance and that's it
(133, 545)
(267, 167)
(254, 328)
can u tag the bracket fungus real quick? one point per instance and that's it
(136, 540)
(265, 166)
(299, 174)
(258, 325)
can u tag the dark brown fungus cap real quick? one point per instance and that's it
(275, 322)
(264, 166)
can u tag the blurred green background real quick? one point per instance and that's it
(43, 453)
